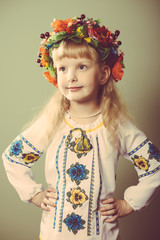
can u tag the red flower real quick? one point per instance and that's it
(51, 79)
(117, 71)
(102, 34)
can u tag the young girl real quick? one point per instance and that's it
(85, 127)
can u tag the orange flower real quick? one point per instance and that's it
(43, 51)
(117, 71)
(51, 79)
(62, 25)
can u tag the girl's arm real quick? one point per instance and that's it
(45, 199)
(115, 208)
(136, 147)
(18, 159)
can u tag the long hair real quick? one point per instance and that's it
(113, 108)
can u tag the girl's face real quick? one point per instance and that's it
(78, 79)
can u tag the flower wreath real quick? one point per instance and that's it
(79, 29)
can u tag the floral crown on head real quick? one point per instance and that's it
(79, 29)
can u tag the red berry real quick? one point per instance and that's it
(41, 65)
(117, 32)
(83, 16)
(47, 34)
(40, 55)
(38, 60)
(42, 35)
(119, 42)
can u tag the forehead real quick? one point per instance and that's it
(74, 51)
(73, 61)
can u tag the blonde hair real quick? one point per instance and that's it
(113, 108)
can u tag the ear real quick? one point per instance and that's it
(105, 74)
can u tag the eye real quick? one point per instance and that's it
(82, 67)
(62, 69)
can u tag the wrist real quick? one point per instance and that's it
(36, 199)
(128, 207)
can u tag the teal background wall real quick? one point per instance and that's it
(24, 90)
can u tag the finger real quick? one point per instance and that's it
(108, 201)
(49, 202)
(51, 189)
(111, 219)
(44, 207)
(52, 195)
(107, 207)
(109, 213)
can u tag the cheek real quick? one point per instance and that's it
(60, 80)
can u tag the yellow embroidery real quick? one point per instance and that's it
(88, 130)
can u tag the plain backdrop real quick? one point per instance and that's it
(24, 91)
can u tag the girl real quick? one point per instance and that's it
(85, 127)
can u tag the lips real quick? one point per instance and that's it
(73, 89)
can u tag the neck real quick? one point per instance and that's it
(81, 109)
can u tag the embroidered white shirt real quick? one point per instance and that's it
(81, 164)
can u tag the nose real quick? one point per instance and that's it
(72, 77)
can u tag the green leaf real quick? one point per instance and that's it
(74, 231)
(75, 206)
(75, 39)
(57, 37)
(78, 182)
(94, 42)
(51, 70)
(69, 194)
(122, 63)
(84, 30)
(72, 144)
(56, 45)
(79, 155)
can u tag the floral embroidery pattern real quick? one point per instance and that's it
(30, 157)
(81, 144)
(16, 148)
(141, 163)
(153, 152)
(74, 222)
(77, 197)
(78, 172)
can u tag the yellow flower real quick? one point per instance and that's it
(44, 61)
(88, 40)
(77, 197)
(30, 157)
(79, 30)
(141, 163)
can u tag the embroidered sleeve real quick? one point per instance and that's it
(22, 152)
(141, 152)
(146, 159)
(18, 160)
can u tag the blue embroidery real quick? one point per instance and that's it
(74, 222)
(100, 189)
(153, 152)
(30, 145)
(91, 197)
(78, 172)
(58, 179)
(150, 172)
(139, 146)
(97, 223)
(16, 148)
(63, 190)
(13, 161)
